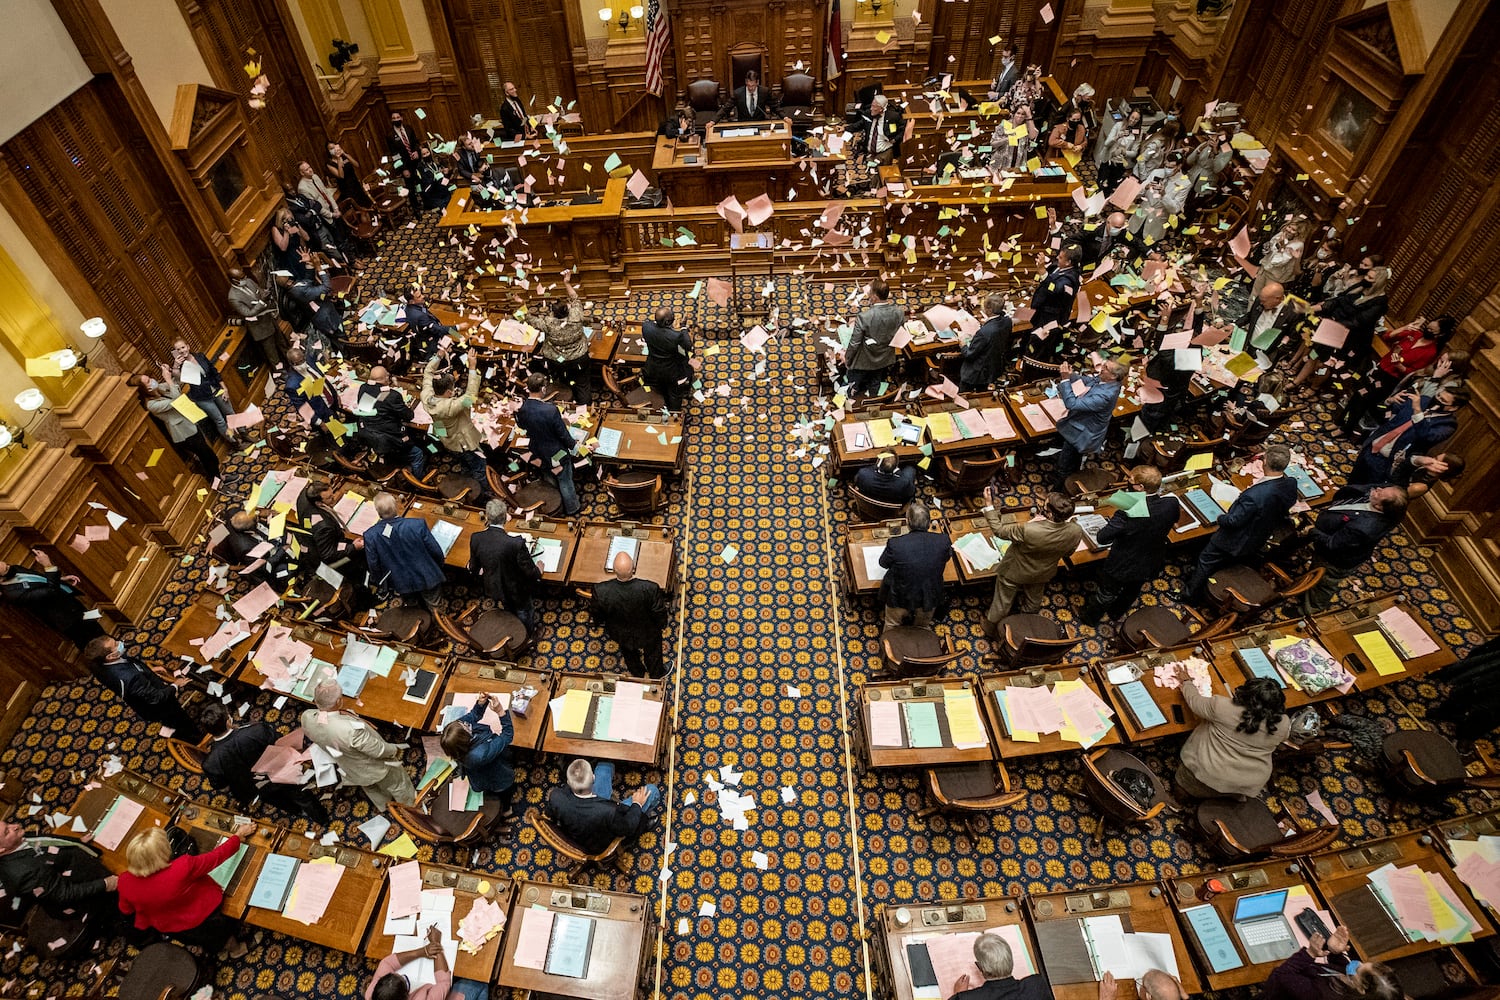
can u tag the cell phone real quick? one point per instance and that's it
(1310, 923)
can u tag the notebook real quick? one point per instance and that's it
(420, 688)
(568, 951)
(1212, 938)
(1258, 664)
(274, 883)
(1203, 505)
(352, 680)
(226, 870)
(618, 544)
(1142, 708)
(609, 442)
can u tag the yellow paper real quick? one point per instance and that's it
(338, 429)
(1203, 460)
(924, 463)
(575, 711)
(1071, 158)
(155, 457)
(1022, 735)
(402, 847)
(964, 725)
(43, 367)
(188, 409)
(277, 526)
(1041, 212)
(1033, 165)
(940, 426)
(882, 37)
(1379, 652)
(882, 434)
(1099, 321)
(312, 387)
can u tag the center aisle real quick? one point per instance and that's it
(757, 626)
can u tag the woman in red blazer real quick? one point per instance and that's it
(179, 898)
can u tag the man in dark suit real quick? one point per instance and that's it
(914, 564)
(587, 813)
(1008, 73)
(242, 536)
(63, 877)
(49, 597)
(515, 123)
(300, 373)
(634, 614)
(880, 130)
(1345, 536)
(1108, 236)
(230, 765)
(423, 329)
(406, 152)
(549, 440)
(1244, 528)
(886, 481)
(505, 566)
(1137, 549)
(330, 544)
(669, 354)
(403, 556)
(384, 415)
(1056, 295)
(1268, 317)
(152, 695)
(1414, 427)
(752, 103)
(985, 353)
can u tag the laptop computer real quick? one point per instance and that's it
(1262, 929)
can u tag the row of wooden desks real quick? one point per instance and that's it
(1112, 710)
(1064, 933)
(355, 918)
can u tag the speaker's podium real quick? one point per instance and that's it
(748, 142)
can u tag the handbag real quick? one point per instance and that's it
(1309, 665)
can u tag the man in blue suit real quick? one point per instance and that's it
(403, 556)
(1086, 426)
(984, 354)
(1245, 527)
(914, 564)
(1414, 427)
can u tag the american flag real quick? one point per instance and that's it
(658, 40)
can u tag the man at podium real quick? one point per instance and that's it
(752, 103)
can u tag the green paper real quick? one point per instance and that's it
(1237, 339)
(1133, 504)
(922, 724)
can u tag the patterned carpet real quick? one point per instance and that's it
(753, 627)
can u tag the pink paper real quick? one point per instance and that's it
(1046, 13)
(1126, 194)
(79, 544)
(760, 208)
(885, 724)
(1055, 408)
(1036, 418)
(901, 339)
(732, 212)
(312, 891)
(634, 717)
(1079, 387)
(406, 889)
(96, 532)
(282, 765)
(755, 338)
(719, 291)
(1239, 243)
(637, 184)
(1105, 266)
(952, 956)
(1409, 632)
(532, 938)
(1315, 800)
(852, 432)
(1330, 333)
(1177, 341)
(256, 603)
(1083, 309)
(249, 418)
(1210, 336)
(942, 317)
(458, 794)
(997, 423)
(831, 215)
(111, 832)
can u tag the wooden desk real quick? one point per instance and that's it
(1239, 883)
(199, 621)
(1187, 529)
(845, 453)
(602, 346)
(618, 953)
(978, 403)
(209, 826)
(641, 444)
(1468, 829)
(563, 529)
(383, 698)
(467, 887)
(1009, 748)
(967, 916)
(1339, 631)
(158, 806)
(1142, 907)
(1180, 718)
(874, 536)
(580, 745)
(656, 560)
(1033, 430)
(480, 677)
(927, 690)
(1104, 296)
(346, 922)
(630, 345)
(468, 519)
(1229, 667)
(958, 525)
(1342, 876)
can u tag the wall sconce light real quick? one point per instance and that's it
(605, 14)
(875, 6)
(31, 401)
(93, 328)
(627, 15)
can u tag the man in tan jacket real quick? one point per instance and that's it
(1031, 561)
(364, 759)
(453, 419)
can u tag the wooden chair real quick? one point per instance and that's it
(1111, 799)
(1156, 627)
(526, 491)
(1247, 593)
(452, 828)
(163, 971)
(494, 634)
(1090, 480)
(437, 485)
(635, 493)
(1170, 452)
(390, 203)
(364, 225)
(630, 392)
(404, 623)
(970, 474)
(970, 788)
(574, 856)
(1033, 640)
(1422, 761)
(705, 100)
(913, 651)
(189, 755)
(1238, 829)
(870, 509)
(797, 96)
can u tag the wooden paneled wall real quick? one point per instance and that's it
(784, 32)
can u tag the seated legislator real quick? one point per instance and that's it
(1229, 751)
(179, 897)
(388, 983)
(49, 597)
(887, 481)
(55, 874)
(993, 957)
(587, 813)
(1330, 970)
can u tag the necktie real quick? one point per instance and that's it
(1382, 445)
(875, 130)
(752, 102)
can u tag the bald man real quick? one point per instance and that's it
(634, 614)
(1155, 984)
(1269, 315)
(383, 413)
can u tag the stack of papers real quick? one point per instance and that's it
(1127, 955)
(556, 943)
(1424, 905)
(484, 920)
(446, 533)
(979, 551)
(1405, 633)
(312, 890)
(1479, 867)
(964, 724)
(116, 822)
(1069, 708)
(570, 711)
(274, 882)
(434, 908)
(934, 964)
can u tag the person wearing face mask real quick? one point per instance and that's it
(256, 308)
(1319, 266)
(1012, 141)
(405, 149)
(1108, 237)
(1164, 197)
(1069, 138)
(1281, 260)
(1008, 74)
(1055, 295)
(1121, 147)
(1414, 427)
(1413, 347)
(1359, 309)
(185, 435)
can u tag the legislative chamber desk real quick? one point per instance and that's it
(656, 557)
(901, 927)
(583, 238)
(618, 955)
(1249, 881)
(200, 620)
(210, 826)
(1468, 829)
(1187, 529)
(350, 912)
(958, 525)
(918, 691)
(1229, 652)
(641, 440)
(470, 520)
(862, 537)
(582, 743)
(1012, 207)
(1169, 701)
(1142, 908)
(726, 165)
(383, 698)
(494, 677)
(157, 806)
(1339, 631)
(467, 886)
(1342, 875)
(1007, 746)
